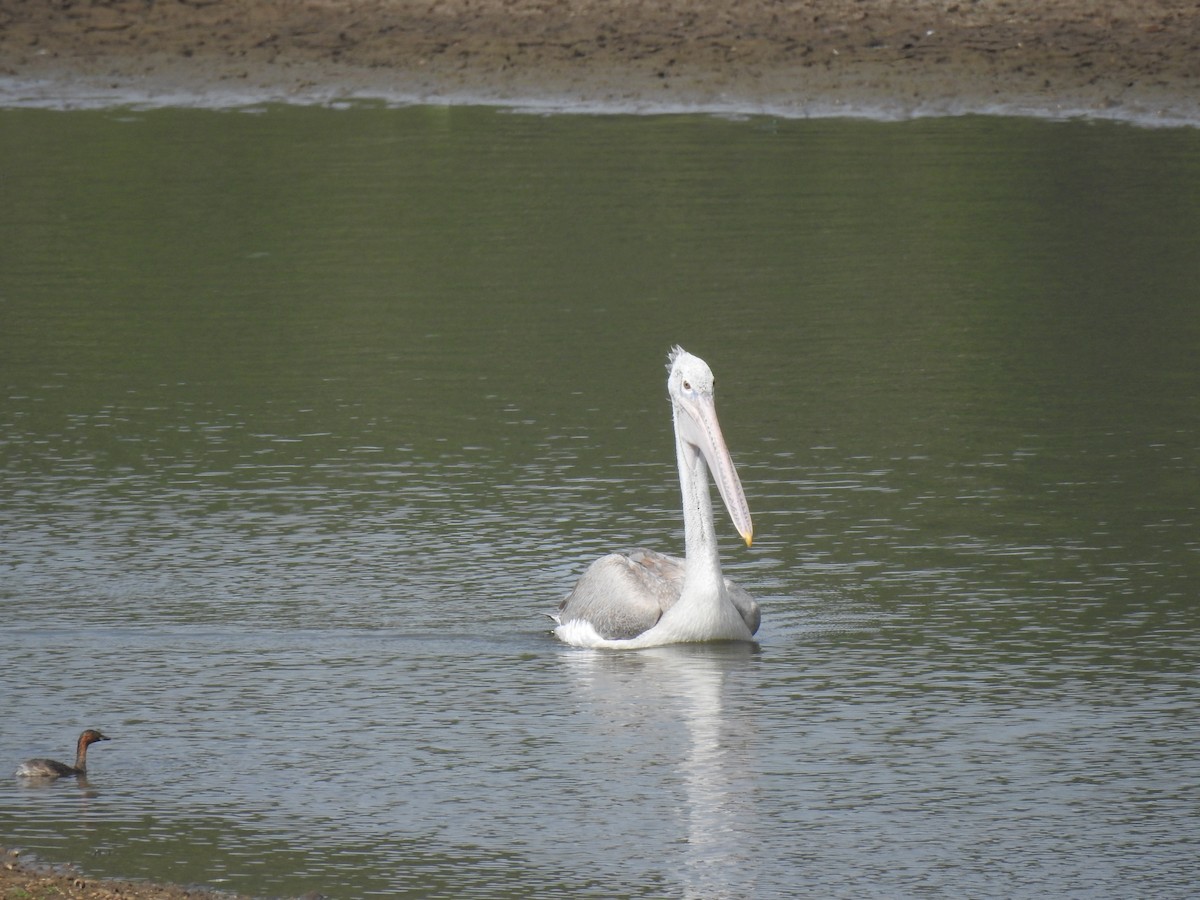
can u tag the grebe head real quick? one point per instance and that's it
(91, 736)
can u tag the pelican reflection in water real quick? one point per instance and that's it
(641, 598)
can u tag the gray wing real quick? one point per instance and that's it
(43, 768)
(624, 594)
(746, 605)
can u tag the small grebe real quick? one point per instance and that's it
(49, 768)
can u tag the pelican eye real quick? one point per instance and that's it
(687, 385)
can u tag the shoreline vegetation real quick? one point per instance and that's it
(1130, 60)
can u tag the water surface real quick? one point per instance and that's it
(307, 416)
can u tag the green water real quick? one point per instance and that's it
(307, 415)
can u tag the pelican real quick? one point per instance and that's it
(641, 598)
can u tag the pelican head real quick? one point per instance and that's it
(691, 386)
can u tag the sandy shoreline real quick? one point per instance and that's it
(1120, 59)
(21, 878)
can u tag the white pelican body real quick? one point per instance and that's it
(640, 598)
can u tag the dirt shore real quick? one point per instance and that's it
(1137, 60)
(22, 880)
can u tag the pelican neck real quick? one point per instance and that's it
(702, 562)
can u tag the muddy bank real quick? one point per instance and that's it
(20, 878)
(1137, 60)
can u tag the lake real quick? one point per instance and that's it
(309, 415)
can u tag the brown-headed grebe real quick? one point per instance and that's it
(49, 768)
